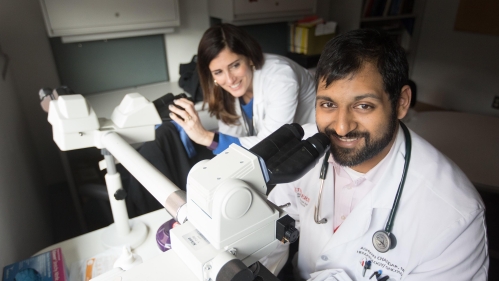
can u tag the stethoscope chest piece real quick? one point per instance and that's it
(383, 241)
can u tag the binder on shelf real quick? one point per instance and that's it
(309, 37)
(367, 8)
(396, 7)
(387, 8)
(380, 8)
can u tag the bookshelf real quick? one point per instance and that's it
(387, 8)
(394, 16)
(400, 18)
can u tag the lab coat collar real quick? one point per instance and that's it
(381, 196)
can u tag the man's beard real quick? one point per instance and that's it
(350, 157)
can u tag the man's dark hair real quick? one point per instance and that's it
(347, 53)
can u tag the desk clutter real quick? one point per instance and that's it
(48, 266)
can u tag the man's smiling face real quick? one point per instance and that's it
(357, 115)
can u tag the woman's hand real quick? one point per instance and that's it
(191, 123)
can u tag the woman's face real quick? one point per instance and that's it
(233, 72)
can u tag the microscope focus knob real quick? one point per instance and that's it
(291, 234)
(120, 194)
(285, 230)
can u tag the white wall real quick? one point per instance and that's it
(183, 43)
(29, 160)
(23, 37)
(24, 223)
(455, 70)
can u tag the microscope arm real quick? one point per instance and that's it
(166, 192)
(75, 126)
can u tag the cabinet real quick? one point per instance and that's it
(400, 18)
(69, 18)
(240, 12)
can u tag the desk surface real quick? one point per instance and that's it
(470, 140)
(90, 244)
(156, 265)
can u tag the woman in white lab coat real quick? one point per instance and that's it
(251, 94)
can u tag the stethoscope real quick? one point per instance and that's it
(383, 240)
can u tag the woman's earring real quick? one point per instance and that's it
(215, 82)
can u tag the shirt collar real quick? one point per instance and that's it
(381, 173)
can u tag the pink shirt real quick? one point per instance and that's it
(348, 192)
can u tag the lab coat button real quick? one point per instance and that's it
(343, 217)
(324, 257)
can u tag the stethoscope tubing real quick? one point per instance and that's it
(408, 148)
(391, 217)
(322, 177)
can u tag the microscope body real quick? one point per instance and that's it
(229, 216)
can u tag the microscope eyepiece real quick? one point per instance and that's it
(283, 139)
(287, 157)
(320, 141)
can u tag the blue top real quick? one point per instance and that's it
(225, 140)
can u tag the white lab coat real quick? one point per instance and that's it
(439, 225)
(283, 93)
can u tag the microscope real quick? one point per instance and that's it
(226, 222)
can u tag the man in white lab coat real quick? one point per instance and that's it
(438, 230)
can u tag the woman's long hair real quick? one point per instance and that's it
(221, 104)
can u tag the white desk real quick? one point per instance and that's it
(157, 265)
(470, 140)
(89, 244)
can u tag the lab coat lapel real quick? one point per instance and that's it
(258, 96)
(381, 196)
(238, 130)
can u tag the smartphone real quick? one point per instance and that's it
(164, 102)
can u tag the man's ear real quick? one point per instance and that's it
(404, 101)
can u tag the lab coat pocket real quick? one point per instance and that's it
(330, 275)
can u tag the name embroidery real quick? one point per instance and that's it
(382, 262)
